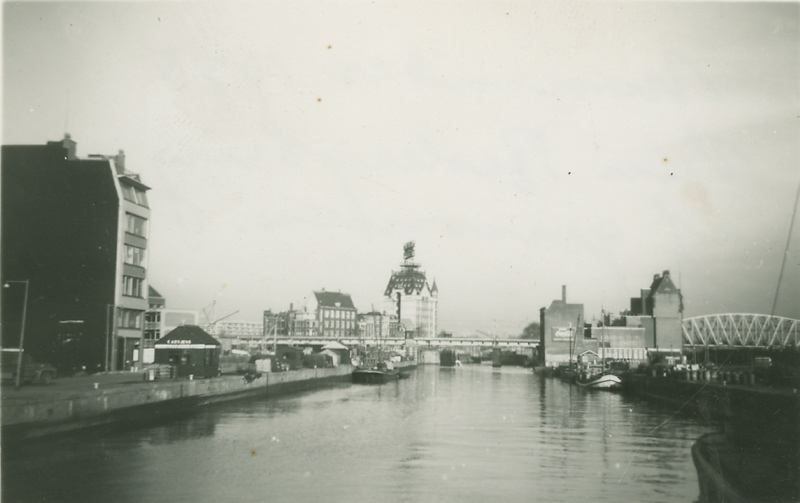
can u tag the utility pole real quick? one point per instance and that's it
(22, 329)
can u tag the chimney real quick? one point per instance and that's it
(119, 162)
(666, 273)
(564, 293)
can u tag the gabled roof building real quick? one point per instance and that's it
(659, 309)
(335, 314)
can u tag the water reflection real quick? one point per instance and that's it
(465, 434)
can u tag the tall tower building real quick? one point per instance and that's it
(412, 298)
(76, 230)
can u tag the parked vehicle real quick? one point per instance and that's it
(42, 373)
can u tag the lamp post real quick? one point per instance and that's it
(7, 284)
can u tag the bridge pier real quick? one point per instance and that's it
(496, 358)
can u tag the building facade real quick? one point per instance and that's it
(565, 337)
(652, 327)
(561, 329)
(334, 313)
(378, 326)
(659, 309)
(234, 334)
(410, 297)
(77, 231)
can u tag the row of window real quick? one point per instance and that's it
(132, 287)
(135, 256)
(136, 225)
(339, 324)
(128, 318)
(347, 315)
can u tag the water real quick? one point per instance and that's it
(461, 434)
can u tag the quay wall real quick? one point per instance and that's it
(148, 401)
(742, 410)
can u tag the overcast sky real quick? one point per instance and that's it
(294, 146)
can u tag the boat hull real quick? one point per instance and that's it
(374, 376)
(730, 473)
(605, 381)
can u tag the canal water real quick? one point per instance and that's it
(472, 433)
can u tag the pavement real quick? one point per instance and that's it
(66, 386)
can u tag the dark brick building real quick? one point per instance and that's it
(76, 231)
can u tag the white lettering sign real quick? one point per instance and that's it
(562, 334)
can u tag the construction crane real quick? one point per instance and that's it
(210, 325)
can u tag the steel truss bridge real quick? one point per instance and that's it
(736, 330)
(437, 342)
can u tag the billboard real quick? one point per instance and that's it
(562, 333)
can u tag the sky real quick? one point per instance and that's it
(295, 146)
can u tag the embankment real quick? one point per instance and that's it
(142, 402)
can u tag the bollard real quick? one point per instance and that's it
(191, 377)
(96, 385)
(751, 379)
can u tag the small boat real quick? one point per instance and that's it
(568, 374)
(604, 380)
(600, 376)
(447, 358)
(378, 374)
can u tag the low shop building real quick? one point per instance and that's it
(191, 350)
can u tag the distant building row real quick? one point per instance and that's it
(652, 326)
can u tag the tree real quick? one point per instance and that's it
(531, 331)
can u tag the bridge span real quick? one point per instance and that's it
(740, 330)
(434, 342)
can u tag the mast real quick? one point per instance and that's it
(572, 342)
(603, 340)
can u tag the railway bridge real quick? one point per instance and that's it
(741, 330)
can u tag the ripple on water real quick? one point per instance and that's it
(472, 434)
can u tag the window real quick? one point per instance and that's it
(135, 255)
(128, 318)
(134, 195)
(132, 287)
(141, 197)
(128, 193)
(136, 225)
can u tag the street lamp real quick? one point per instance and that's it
(22, 329)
